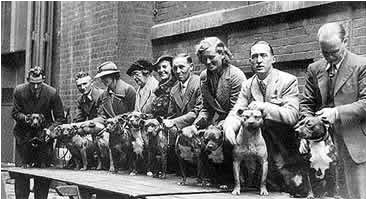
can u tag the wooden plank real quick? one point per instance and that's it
(121, 183)
(228, 195)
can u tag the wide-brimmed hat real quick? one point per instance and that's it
(106, 68)
(160, 59)
(36, 75)
(140, 65)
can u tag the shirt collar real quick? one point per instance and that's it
(267, 78)
(184, 85)
(337, 66)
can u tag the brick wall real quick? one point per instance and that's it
(292, 34)
(90, 33)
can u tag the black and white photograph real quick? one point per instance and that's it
(183, 99)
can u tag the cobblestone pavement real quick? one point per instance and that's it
(9, 188)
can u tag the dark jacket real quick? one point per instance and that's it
(25, 103)
(349, 100)
(185, 108)
(111, 104)
(86, 108)
(161, 102)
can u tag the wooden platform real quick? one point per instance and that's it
(139, 186)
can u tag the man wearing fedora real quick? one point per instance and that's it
(34, 97)
(119, 96)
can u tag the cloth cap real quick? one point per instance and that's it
(36, 75)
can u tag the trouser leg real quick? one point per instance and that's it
(41, 187)
(21, 187)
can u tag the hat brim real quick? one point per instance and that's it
(104, 73)
(160, 59)
(35, 80)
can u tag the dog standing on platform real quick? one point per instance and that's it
(38, 149)
(250, 143)
(322, 157)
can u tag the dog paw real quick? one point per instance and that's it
(149, 174)
(236, 191)
(132, 174)
(112, 169)
(83, 169)
(223, 187)
(181, 183)
(264, 192)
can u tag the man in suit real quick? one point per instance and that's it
(220, 81)
(275, 94)
(34, 97)
(141, 71)
(336, 90)
(118, 98)
(87, 102)
(185, 102)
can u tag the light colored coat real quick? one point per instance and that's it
(282, 93)
(145, 96)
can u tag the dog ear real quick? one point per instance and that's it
(142, 123)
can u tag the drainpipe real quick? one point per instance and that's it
(29, 39)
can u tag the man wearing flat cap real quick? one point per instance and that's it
(34, 97)
(141, 71)
(119, 96)
(87, 102)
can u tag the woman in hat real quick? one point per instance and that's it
(118, 98)
(163, 66)
(141, 71)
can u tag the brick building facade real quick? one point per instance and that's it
(89, 33)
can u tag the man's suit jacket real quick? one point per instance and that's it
(49, 103)
(349, 100)
(185, 108)
(111, 104)
(145, 96)
(87, 109)
(229, 87)
(281, 93)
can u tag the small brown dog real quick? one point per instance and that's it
(189, 147)
(250, 143)
(37, 150)
(156, 146)
(322, 155)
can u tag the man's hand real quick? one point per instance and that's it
(230, 126)
(189, 131)
(329, 114)
(303, 146)
(257, 105)
(168, 123)
(48, 134)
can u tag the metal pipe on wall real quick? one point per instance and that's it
(28, 50)
(49, 36)
(42, 35)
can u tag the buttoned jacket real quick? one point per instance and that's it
(349, 100)
(86, 108)
(111, 103)
(49, 104)
(185, 107)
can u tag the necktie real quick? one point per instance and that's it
(182, 90)
(332, 78)
(262, 87)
